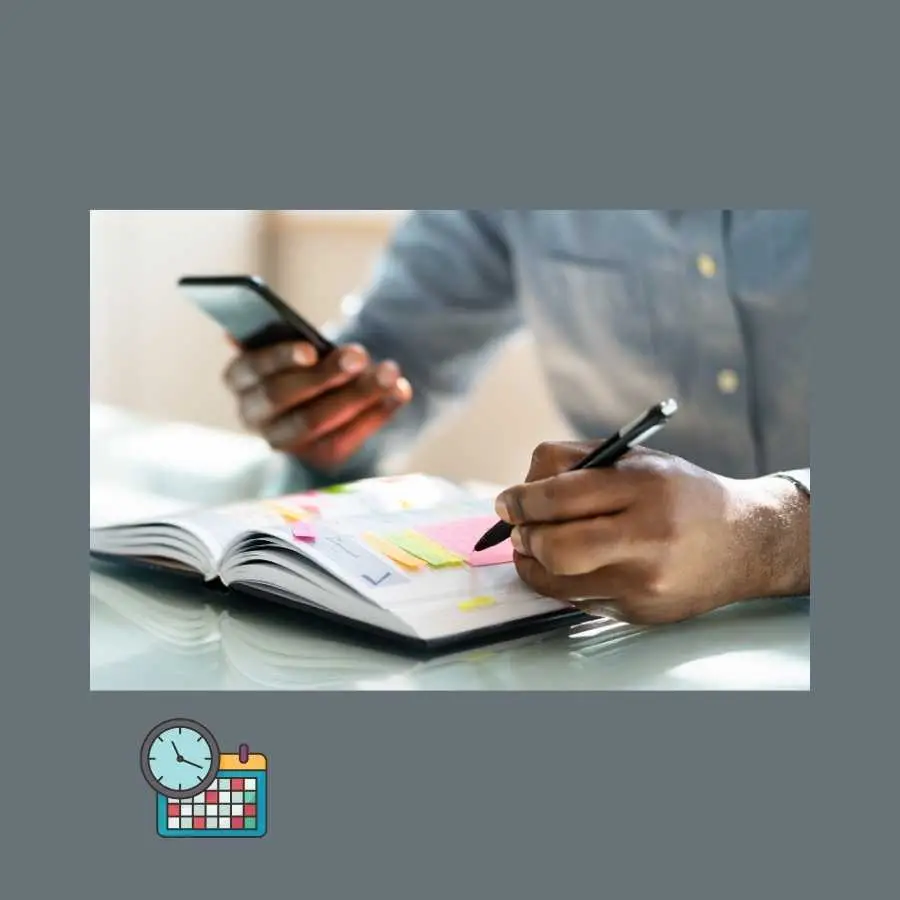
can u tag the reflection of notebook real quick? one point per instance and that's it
(389, 554)
(252, 647)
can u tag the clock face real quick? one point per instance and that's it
(180, 759)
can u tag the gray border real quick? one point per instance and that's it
(433, 796)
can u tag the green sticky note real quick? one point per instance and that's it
(426, 550)
(336, 489)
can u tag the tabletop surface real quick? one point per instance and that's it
(154, 632)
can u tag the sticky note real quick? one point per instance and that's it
(423, 548)
(477, 603)
(293, 512)
(303, 531)
(461, 535)
(336, 489)
(399, 556)
(289, 515)
(495, 556)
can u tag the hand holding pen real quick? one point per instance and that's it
(607, 454)
(649, 537)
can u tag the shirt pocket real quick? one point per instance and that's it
(600, 306)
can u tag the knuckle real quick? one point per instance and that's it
(656, 584)
(550, 492)
(545, 456)
(255, 406)
(238, 374)
(286, 436)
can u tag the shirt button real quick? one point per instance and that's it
(706, 265)
(728, 381)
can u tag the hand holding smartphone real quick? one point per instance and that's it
(293, 386)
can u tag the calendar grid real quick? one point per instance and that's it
(234, 805)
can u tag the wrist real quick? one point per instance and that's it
(772, 525)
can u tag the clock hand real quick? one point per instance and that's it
(191, 763)
(177, 752)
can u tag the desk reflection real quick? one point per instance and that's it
(151, 632)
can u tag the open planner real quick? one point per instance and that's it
(392, 555)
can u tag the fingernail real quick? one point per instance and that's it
(387, 375)
(304, 355)
(502, 509)
(353, 360)
(403, 391)
(516, 540)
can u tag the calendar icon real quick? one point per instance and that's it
(201, 792)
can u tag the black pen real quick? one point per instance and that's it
(607, 454)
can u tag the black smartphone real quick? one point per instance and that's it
(251, 312)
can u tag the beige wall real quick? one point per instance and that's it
(152, 352)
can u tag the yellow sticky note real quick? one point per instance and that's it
(423, 548)
(477, 603)
(401, 557)
(288, 514)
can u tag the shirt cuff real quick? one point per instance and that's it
(798, 477)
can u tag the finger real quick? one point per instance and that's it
(610, 584)
(579, 547)
(337, 447)
(253, 366)
(315, 419)
(554, 457)
(278, 393)
(571, 495)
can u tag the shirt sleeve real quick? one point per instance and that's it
(441, 301)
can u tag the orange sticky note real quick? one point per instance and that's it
(401, 557)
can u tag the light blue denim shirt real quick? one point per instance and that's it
(627, 308)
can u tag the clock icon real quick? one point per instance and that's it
(180, 759)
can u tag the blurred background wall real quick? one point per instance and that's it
(153, 353)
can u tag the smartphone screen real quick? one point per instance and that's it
(250, 312)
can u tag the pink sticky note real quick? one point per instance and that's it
(495, 556)
(303, 531)
(461, 536)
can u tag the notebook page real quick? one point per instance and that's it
(418, 564)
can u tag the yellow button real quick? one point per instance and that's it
(706, 265)
(728, 381)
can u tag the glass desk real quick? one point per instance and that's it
(154, 632)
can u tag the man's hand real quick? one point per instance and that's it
(321, 411)
(655, 538)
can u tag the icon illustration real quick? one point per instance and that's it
(202, 792)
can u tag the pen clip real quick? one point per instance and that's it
(647, 434)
